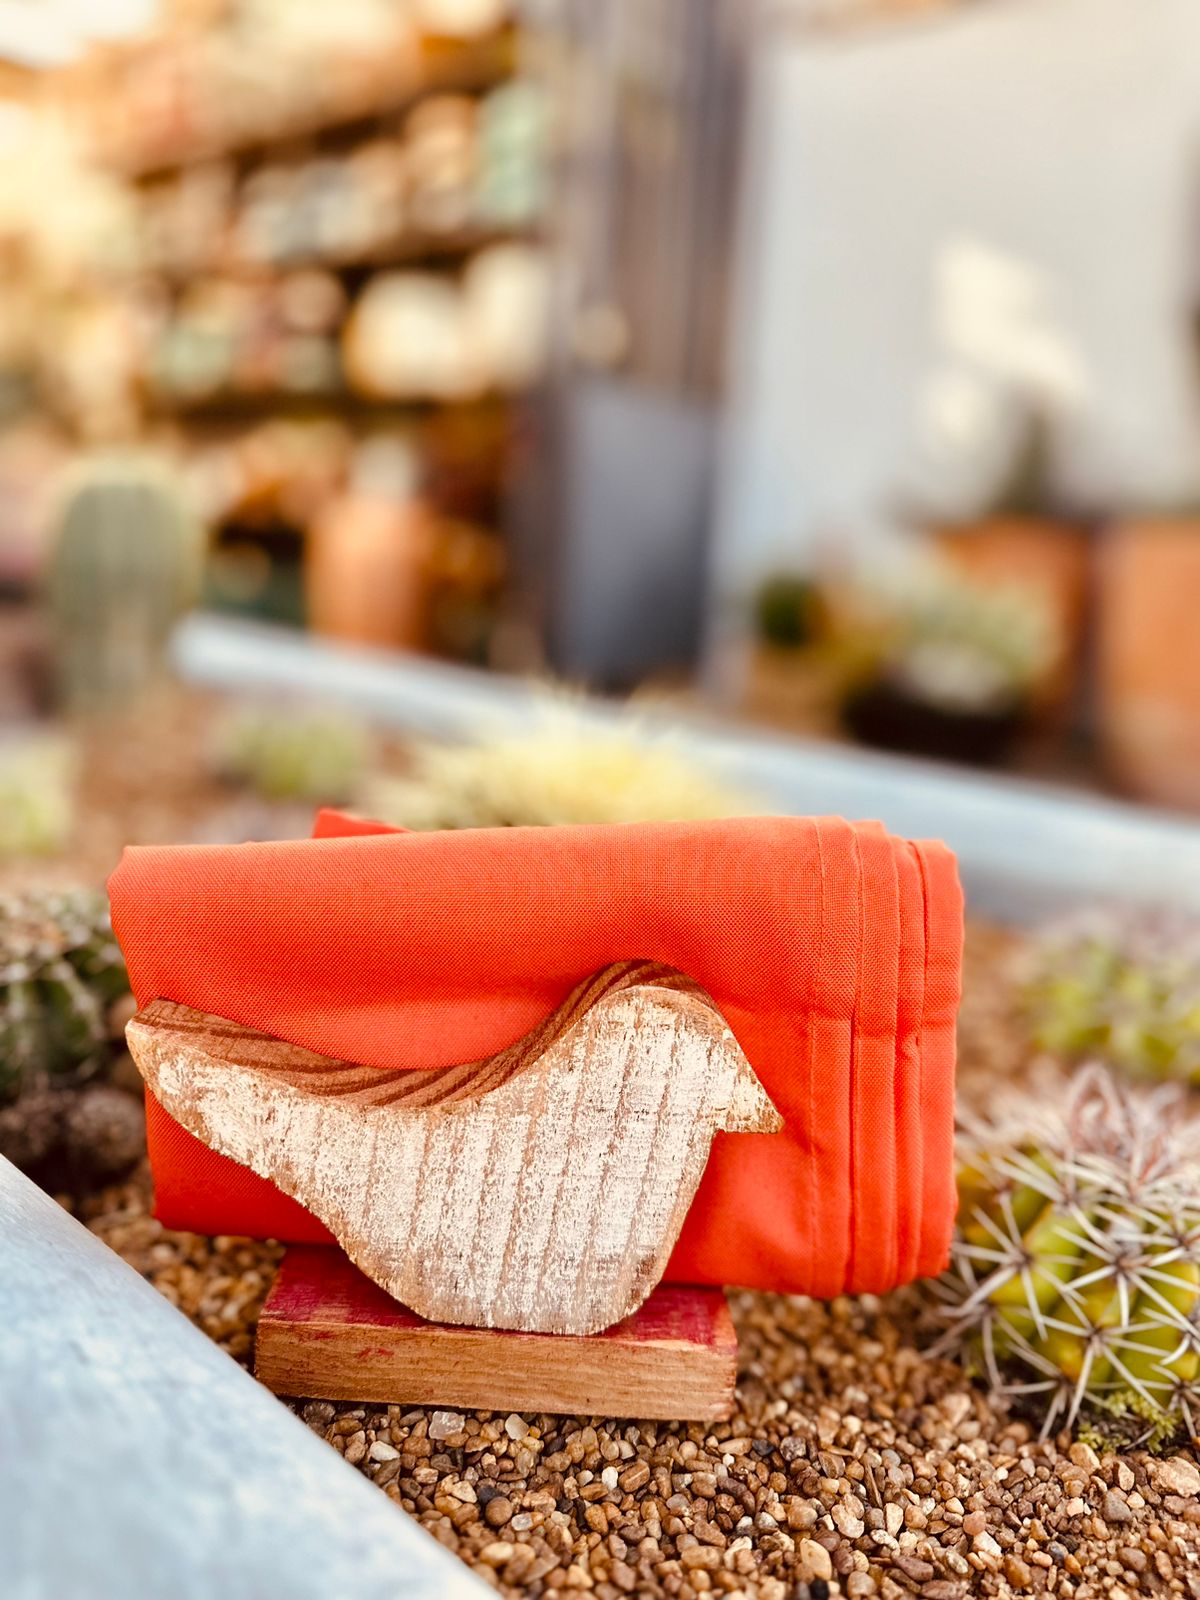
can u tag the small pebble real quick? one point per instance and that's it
(1175, 1475)
(497, 1553)
(813, 1560)
(515, 1427)
(1017, 1572)
(846, 1522)
(913, 1567)
(1114, 1508)
(445, 1424)
(498, 1511)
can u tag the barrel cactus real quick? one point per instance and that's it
(290, 753)
(1075, 1276)
(1125, 991)
(63, 994)
(61, 971)
(126, 562)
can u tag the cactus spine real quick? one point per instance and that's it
(1075, 1275)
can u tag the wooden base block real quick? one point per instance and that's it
(328, 1332)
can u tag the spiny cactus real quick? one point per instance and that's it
(1075, 1276)
(289, 753)
(563, 770)
(125, 564)
(1122, 990)
(60, 972)
(37, 809)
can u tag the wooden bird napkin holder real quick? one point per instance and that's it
(505, 1223)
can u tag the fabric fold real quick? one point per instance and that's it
(833, 950)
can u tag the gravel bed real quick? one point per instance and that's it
(854, 1465)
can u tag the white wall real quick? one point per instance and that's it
(1064, 132)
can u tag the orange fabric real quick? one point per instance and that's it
(833, 950)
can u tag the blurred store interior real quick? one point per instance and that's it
(828, 365)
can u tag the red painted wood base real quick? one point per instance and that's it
(328, 1332)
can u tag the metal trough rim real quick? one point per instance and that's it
(138, 1460)
(1025, 849)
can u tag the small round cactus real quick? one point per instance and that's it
(61, 970)
(1126, 992)
(289, 753)
(63, 989)
(1075, 1276)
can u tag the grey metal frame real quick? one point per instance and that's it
(139, 1462)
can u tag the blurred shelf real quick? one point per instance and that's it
(258, 405)
(412, 248)
(469, 69)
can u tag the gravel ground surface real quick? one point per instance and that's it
(854, 1464)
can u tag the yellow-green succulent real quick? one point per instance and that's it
(1125, 992)
(1075, 1275)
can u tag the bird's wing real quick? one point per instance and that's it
(162, 1021)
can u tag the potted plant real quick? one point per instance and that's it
(790, 682)
(1148, 657)
(1004, 387)
(936, 664)
(1024, 536)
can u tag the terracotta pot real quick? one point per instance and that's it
(367, 571)
(791, 689)
(1051, 557)
(1148, 662)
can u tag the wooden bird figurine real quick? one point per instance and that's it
(542, 1188)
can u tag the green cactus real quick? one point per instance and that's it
(61, 970)
(125, 564)
(314, 755)
(789, 611)
(1074, 1283)
(1124, 992)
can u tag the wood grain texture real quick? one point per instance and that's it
(541, 1189)
(138, 1462)
(328, 1331)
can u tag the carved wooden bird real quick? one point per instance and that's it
(542, 1188)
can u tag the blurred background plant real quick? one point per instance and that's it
(563, 769)
(292, 752)
(1123, 990)
(37, 796)
(914, 654)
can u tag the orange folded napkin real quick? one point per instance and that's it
(832, 949)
